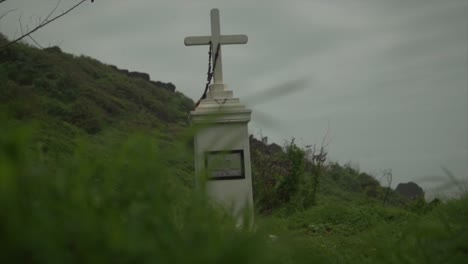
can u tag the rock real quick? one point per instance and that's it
(141, 75)
(119, 70)
(145, 76)
(53, 49)
(123, 71)
(410, 190)
(275, 148)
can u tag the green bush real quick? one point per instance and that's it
(86, 115)
(290, 183)
(268, 171)
(279, 178)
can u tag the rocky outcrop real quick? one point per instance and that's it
(145, 76)
(53, 49)
(126, 72)
(140, 75)
(275, 148)
(410, 190)
(263, 145)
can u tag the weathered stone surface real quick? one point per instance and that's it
(145, 76)
(119, 70)
(216, 39)
(264, 147)
(275, 148)
(410, 190)
(141, 75)
(53, 49)
(123, 71)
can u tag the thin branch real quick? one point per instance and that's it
(53, 10)
(35, 42)
(57, 43)
(9, 11)
(44, 23)
(327, 134)
(21, 25)
(22, 33)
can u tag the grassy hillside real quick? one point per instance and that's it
(70, 96)
(96, 166)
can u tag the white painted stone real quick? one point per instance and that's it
(223, 127)
(216, 39)
(222, 122)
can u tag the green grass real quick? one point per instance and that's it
(336, 233)
(67, 96)
(124, 201)
(97, 167)
(116, 202)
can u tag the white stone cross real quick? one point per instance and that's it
(216, 39)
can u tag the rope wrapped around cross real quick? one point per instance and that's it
(210, 72)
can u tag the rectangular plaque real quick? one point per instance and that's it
(225, 165)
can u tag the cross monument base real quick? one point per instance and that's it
(222, 151)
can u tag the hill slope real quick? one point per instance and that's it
(95, 192)
(74, 97)
(68, 96)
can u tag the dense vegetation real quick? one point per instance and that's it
(69, 96)
(96, 166)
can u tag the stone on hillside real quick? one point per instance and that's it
(53, 49)
(264, 147)
(119, 70)
(275, 148)
(126, 72)
(141, 75)
(410, 190)
(145, 76)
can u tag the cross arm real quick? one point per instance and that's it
(233, 39)
(224, 39)
(195, 41)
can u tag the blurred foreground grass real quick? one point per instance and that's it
(129, 200)
(119, 208)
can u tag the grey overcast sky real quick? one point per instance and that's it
(389, 78)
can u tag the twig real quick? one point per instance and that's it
(22, 33)
(35, 42)
(6, 13)
(53, 10)
(44, 23)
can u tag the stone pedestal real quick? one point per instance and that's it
(222, 150)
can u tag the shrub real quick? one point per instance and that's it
(290, 183)
(86, 115)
